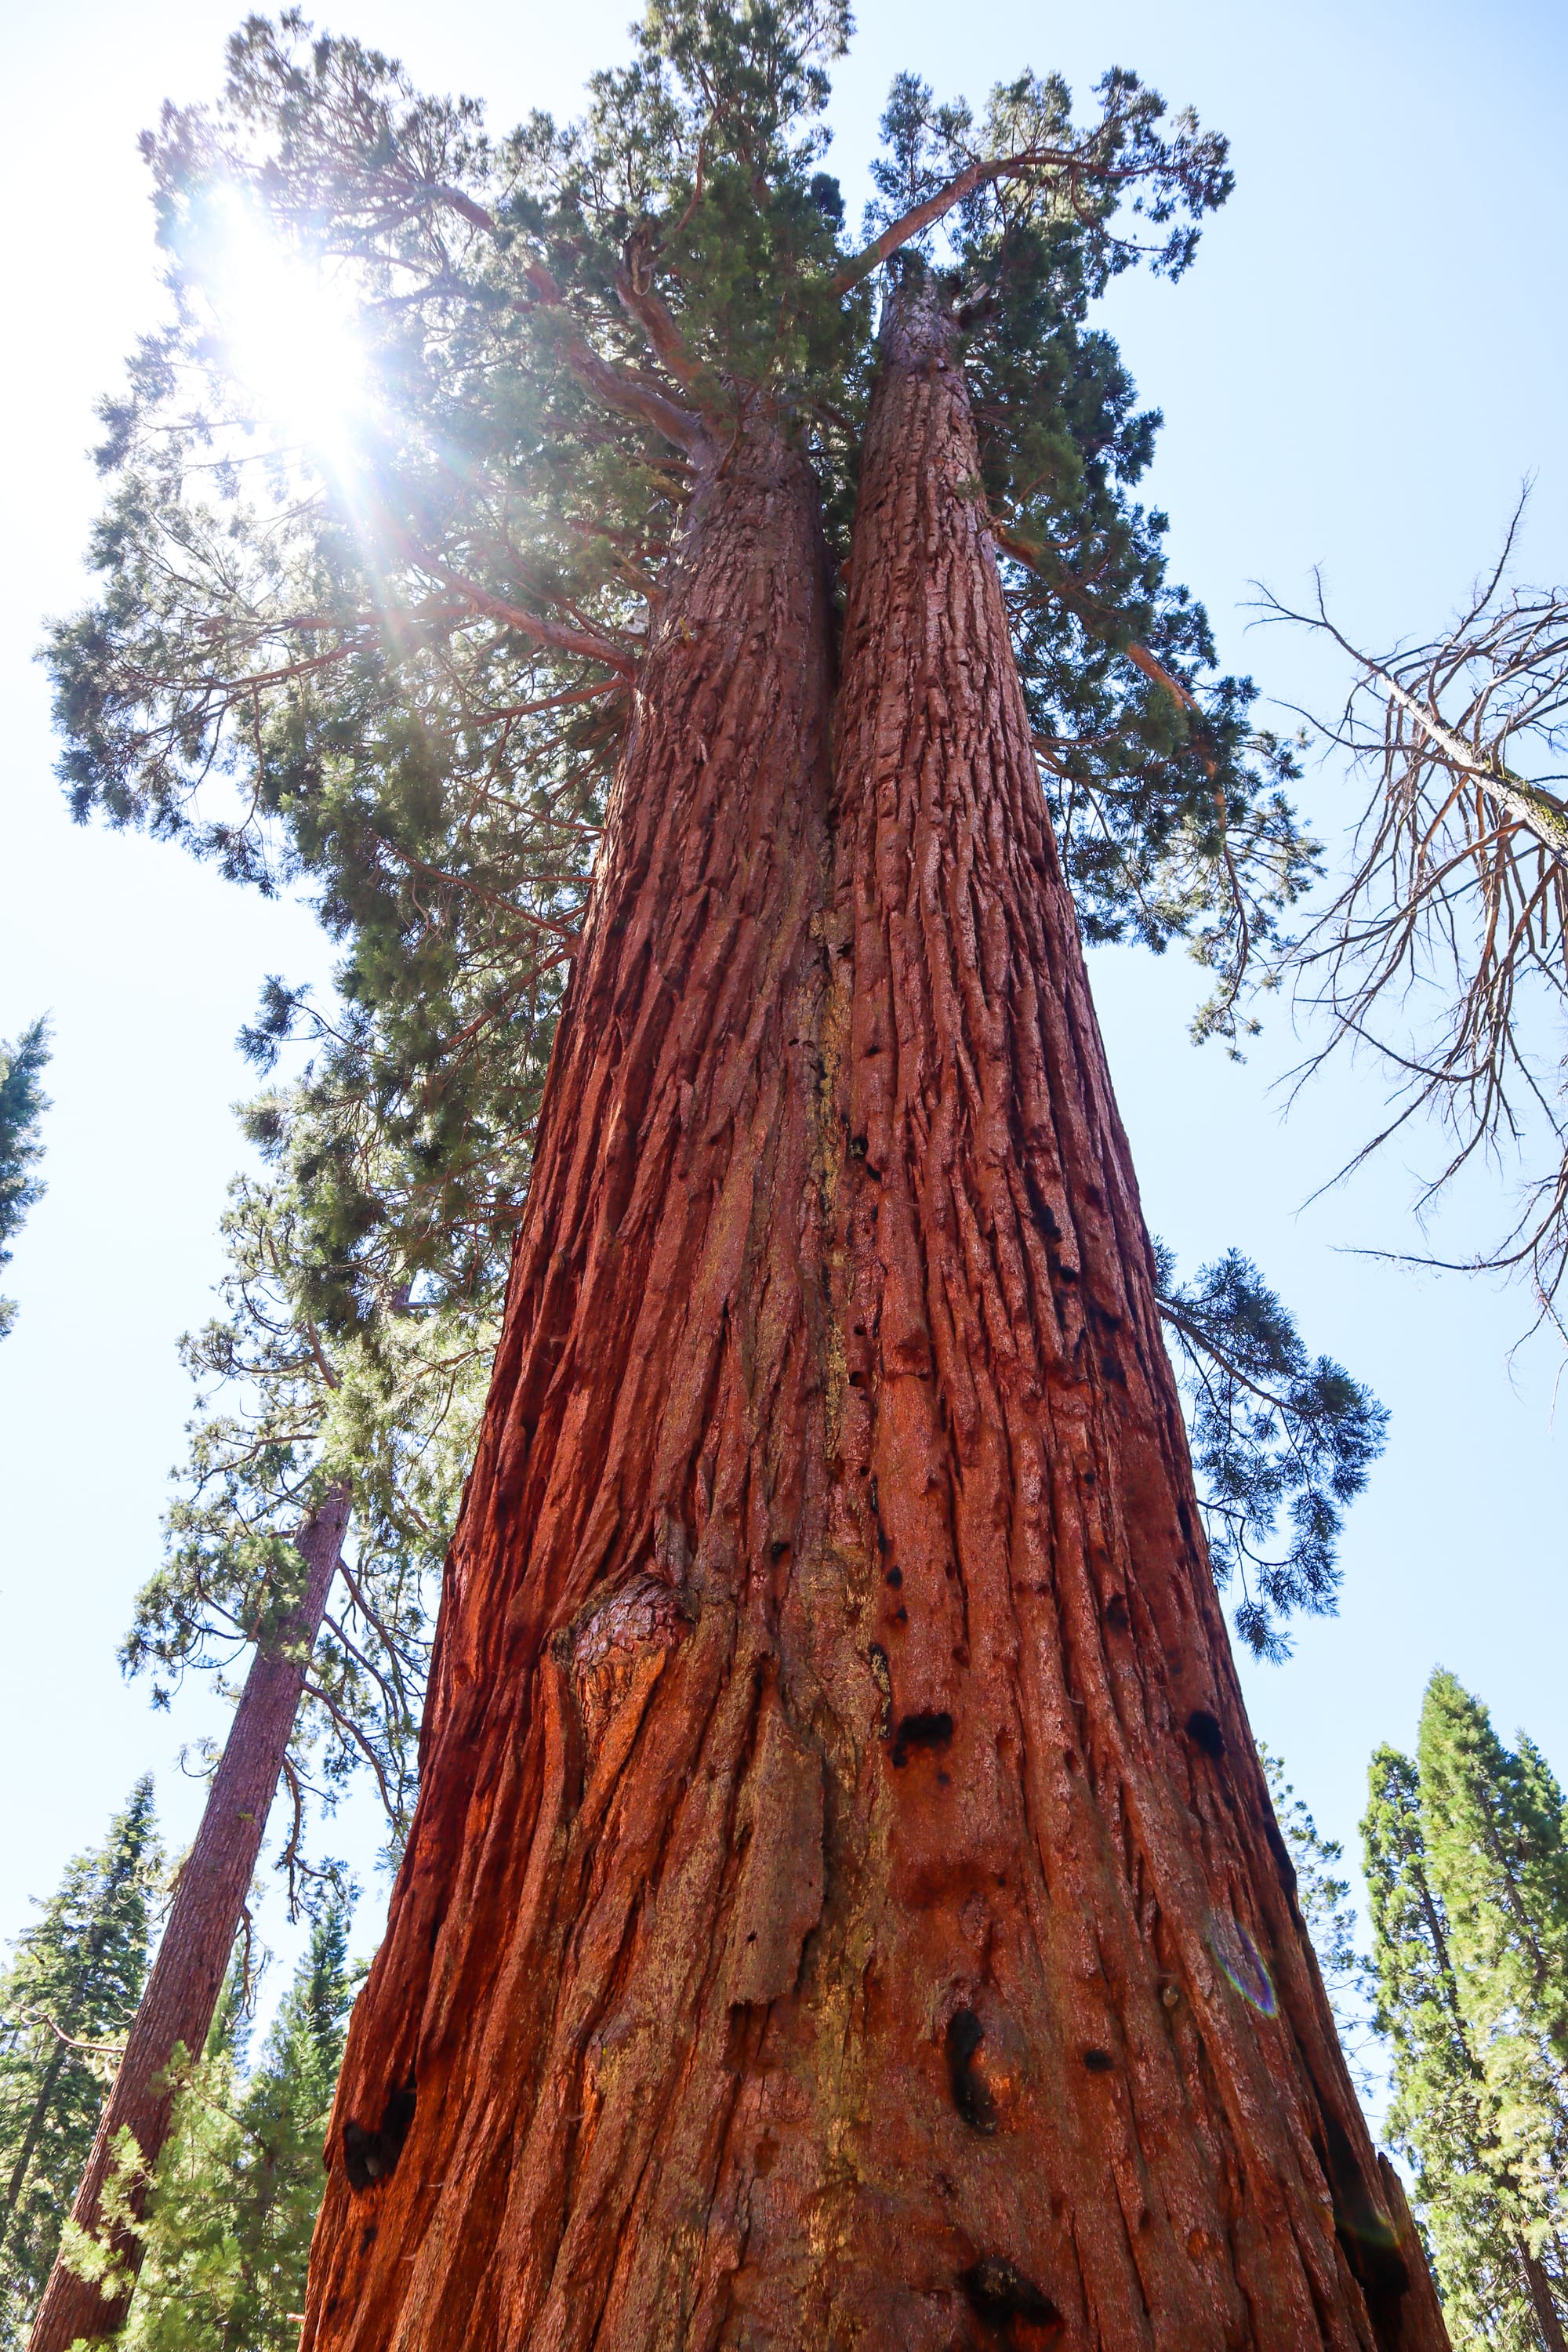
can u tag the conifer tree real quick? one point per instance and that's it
(741, 1680)
(22, 1106)
(1329, 1914)
(66, 2001)
(225, 2227)
(1477, 2109)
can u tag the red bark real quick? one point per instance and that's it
(1084, 1882)
(182, 1986)
(841, 1866)
(546, 2075)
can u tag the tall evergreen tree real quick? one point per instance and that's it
(225, 2227)
(830, 1661)
(1330, 1912)
(22, 1106)
(1472, 1832)
(65, 2002)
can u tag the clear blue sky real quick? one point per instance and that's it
(1367, 359)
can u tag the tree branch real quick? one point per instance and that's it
(585, 643)
(964, 183)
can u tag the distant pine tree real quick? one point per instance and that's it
(1465, 1866)
(1329, 1914)
(65, 2001)
(226, 2227)
(23, 1103)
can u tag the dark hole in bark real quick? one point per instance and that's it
(779, 1547)
(1366, 2235)
(970, 2095)
(1204, 1733)
(1099, 2061)
(1282, 1861)
(895, 1577)
(372, 2156)
(858, 1146)
(926, 1730)
(999, 2292)
(1116, 1613)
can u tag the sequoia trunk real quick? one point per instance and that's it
(186, 1977)
(1110, 2105)
(843, 1908)
(546, 2121)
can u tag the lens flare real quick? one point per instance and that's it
(1243, 1964)
(284, 332)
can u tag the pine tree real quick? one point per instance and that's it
(226, 2225)
(1329, 1915)
(1477, 2107)
(66, 2001)
(22, 1106)
(831, 1682)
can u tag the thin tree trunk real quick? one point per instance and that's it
(843, 1908)
(186, 1977)
(1543, 2303)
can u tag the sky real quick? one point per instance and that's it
(1362, 367)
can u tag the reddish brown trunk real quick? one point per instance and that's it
(546, 2122)
(1082, 1872)
(186, 1977)
(840, 1843)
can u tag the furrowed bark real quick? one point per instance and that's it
(843, 1908)
(1084, 1906)
(546, 2120)
(186, 1977)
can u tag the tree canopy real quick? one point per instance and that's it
(1467, 1869)
(66, 2001)
(23, 1103)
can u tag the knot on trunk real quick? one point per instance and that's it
(622, 1645)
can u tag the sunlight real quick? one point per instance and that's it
(287, 336)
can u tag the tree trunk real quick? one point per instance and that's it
(1083, 1901)
(1543, 2302)
(181, 1991)
(547, 2105)
(843, 1908)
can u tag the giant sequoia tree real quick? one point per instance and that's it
(843, 1903)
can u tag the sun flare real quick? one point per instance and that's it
(286, 334)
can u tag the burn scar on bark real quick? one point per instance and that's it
(1000, 2295)
(1204, 1731)
(1364, 2230)
(932, 1727)
(971, 2093)
(617, 1652)
(987, 2061)
(372, 2156)
(779, 1895)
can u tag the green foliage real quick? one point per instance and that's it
(398, 674)
(65, 2002)
(232, 2197)
(1469, 1898)
(23, 1103)
(1273, 1431)
(1170, 808)
(1329, 1914)
(387, 1401)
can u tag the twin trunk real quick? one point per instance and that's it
(843, 1908)
(182, 1986)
